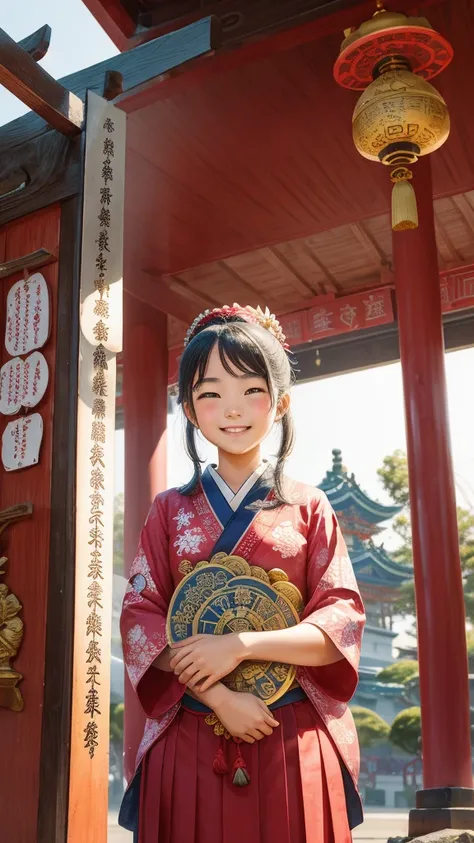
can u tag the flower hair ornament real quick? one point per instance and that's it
(256, 316)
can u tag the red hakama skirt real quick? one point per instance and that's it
(295, 794)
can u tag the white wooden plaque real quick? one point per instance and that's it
(35, 379)
(23, 383)
(27, 325)
(21, 442)
(11, 387)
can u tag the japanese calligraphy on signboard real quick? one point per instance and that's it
(100, 341)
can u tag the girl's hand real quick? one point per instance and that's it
(245, 716)
(202, 660)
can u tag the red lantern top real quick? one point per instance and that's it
(391, 34)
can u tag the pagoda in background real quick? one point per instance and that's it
(378, 575)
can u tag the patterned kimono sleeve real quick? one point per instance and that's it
(143, 619)
(334, 604)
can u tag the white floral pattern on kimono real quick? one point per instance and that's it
(190, 541)
(338, 720)
(288, 541)
(153, 730)
(183, 518)
(141, 651)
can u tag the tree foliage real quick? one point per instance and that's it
(398, 673)
(371, 728)
(405, 732)
(394, 477)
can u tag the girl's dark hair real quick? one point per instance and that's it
(250, 349)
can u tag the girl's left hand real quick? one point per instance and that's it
(202, 660)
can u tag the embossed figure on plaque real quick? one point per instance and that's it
(11, 624)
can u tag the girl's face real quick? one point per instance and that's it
(233, 412)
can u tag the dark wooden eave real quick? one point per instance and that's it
(128, 22)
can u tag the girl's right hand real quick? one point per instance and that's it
(245, 716)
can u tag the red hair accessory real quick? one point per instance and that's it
(255, 316)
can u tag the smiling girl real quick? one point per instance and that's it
(283, 773)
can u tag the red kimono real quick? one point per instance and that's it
(303, 777)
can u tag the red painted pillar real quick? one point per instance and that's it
(145, 400)
(440, 606)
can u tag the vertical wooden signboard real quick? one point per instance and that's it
(100, 342)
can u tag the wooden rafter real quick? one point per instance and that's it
(454, 258)
(331, 285)
(286, 270)
(24, 78)
(243, 287)
(152, 290)
(202, 300)
(368, 243)
(465, 209)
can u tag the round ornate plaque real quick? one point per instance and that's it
(426, 50)
(213, 600)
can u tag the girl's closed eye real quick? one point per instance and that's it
(208, 395)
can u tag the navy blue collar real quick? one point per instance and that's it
(235, 523)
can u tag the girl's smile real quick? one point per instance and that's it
(231, 408)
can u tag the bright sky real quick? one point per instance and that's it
(360, 413)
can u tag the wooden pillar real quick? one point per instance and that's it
(439, 595)
(145, 403)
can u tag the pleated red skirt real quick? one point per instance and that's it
(295, 794)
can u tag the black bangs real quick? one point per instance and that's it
(237, 350)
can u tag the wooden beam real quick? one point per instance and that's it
(368, 243)
(330, 284)
(154, 292)
(247, 289)
(285, 270)
(23, 77)
(37, 44)
(372, 347)
(118, 18)
(145, 71)
(176, 282)
(454, 258)
(245, 21)
(33, 260)
(465, 209)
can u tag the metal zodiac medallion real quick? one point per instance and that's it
(230, 597)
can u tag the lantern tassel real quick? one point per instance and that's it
(404, 207)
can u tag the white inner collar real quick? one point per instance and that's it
(234, 499)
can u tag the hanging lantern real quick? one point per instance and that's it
(400, 116)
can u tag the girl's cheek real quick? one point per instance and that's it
(206, 413)
(262, 404)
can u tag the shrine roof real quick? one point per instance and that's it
(374, 566)
(242, 180)
(346, 496)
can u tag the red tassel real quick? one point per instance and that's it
(219, 765)
(241, 774)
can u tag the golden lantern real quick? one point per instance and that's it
(400, 116)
